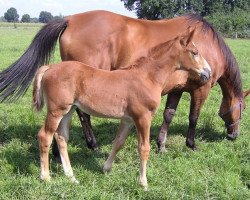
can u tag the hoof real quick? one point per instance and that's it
(74, 180)
(162, 149)
(107, 169)
(45, 178)
(92, 145)
(191, 146)
(144, 185)
(232, 136)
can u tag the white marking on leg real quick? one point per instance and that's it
(143, 178)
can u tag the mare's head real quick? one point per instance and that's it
(231, 112)
(191, 60)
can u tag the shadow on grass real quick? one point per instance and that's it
(105, 133)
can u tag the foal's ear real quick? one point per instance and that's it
(187, 38)
(246, 93)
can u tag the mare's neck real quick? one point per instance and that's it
(231, 93)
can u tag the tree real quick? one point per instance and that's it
(58, 17)
(11, 15)
(45, 17)
(2, 19)
(157, 9)
(25, 18)
(34, 20)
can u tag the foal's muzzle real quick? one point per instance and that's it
(205, 74)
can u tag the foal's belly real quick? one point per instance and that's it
(102, 109)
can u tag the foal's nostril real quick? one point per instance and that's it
(205, 74)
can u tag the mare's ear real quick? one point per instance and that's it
(188, 37)
(246, 93)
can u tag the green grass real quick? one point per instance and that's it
(220, 169)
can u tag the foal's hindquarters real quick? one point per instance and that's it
(70, 89)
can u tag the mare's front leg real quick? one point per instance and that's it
(62, 137)
(87, 129)
(169, 112)
(198, 98)
(45, 137)
(123, 131)
(143, 132)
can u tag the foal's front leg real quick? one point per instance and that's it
(122, 134)
(143, 131)
(169, 112)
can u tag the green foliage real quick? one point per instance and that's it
(218, 170)
(230, 17)
(45, 17)
(58, 17)
(25, 18)
(34, 20)
(11, 15)
(235, 24)
(2, 19)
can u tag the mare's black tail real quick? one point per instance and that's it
(15, 80)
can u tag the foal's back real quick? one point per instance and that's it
(97, 92)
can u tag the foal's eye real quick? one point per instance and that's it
(194, 53)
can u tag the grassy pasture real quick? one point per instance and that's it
(220, 169)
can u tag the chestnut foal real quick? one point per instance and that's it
(132, 95)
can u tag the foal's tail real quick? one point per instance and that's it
(15, 80)
(38, 100)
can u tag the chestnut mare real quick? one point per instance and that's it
(109, 41)
(132, 95)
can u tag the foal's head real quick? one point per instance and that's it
(191, 60)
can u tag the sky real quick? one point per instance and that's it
(63, 7)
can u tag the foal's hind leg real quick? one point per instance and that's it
(88, 131)
(62, 136)
(45, 137)
(119, 141)
(169, 112)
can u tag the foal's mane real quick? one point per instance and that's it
(232, 68)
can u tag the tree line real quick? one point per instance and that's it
(230, 17)
(11, 15)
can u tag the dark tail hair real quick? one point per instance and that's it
(15, 80)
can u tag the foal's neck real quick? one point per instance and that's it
(159, 64)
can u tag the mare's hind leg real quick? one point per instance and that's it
(119, 141)
(62, 136)
(88, 131)
(198, 98)
(45, 137)
(169, 112)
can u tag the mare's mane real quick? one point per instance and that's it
(232, 68)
